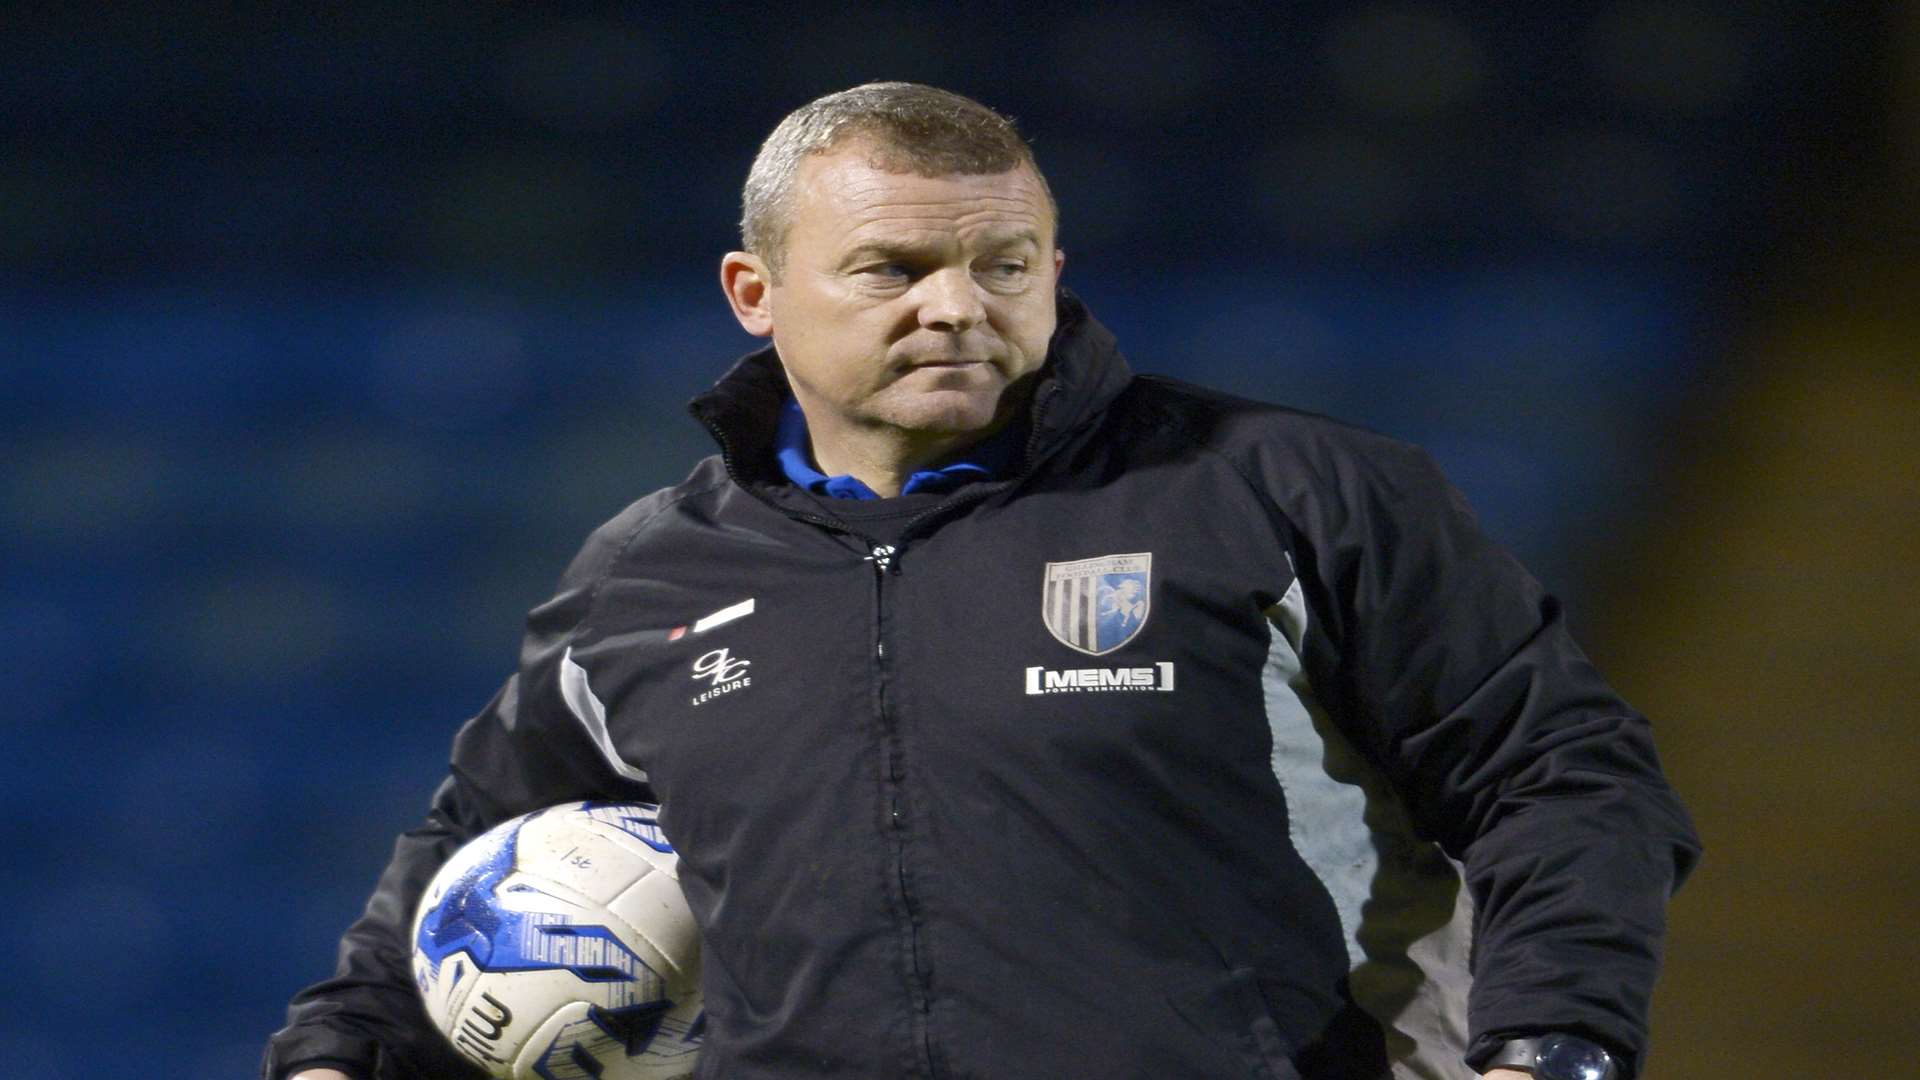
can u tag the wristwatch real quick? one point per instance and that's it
(1557, 1056)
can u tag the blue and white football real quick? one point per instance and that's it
(557, 946)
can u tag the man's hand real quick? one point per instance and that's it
(336, 1074)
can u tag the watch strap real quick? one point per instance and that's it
(1556, 1056)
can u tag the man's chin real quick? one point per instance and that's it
(946, 412)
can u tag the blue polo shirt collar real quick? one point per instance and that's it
(983, 461)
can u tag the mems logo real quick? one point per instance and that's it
(1079, 680)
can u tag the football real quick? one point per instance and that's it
(557, 945)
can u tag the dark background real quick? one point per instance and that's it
(325, 335)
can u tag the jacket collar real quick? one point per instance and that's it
(1083, 372)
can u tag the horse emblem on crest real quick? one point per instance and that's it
(1097, 605)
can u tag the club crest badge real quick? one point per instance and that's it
(1097, 605)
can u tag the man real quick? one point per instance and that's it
(1098, 725)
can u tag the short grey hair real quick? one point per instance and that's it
(912, 128)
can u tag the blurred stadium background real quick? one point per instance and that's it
(326, 332)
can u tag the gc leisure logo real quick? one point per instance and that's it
(723, 673)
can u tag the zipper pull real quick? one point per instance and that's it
(882, 557)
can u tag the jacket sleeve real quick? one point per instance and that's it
(525, 750)
(1455, 670)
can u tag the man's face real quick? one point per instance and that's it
(912, 302)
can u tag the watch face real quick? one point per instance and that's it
(1563, 1057)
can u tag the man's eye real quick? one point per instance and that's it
(1007, 269)
(889, 270)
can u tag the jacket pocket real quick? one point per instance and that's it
(1233, 1011)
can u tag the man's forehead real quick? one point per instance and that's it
(844, 190)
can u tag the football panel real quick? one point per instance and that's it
(578, 851)
(657, 911)
(607, 961)
(444, 987)
(635, 827)
(647, 1041)
(493, 1023)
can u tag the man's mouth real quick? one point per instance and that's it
(947, 362)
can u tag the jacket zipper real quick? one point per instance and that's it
(883, 558)
(886, 563)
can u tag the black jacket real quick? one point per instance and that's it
(1166, 757)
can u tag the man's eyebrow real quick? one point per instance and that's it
(1006, 238)
(884, 249)
(895, 250)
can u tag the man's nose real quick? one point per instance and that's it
(950, 300)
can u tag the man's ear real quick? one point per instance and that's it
(744, 278)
